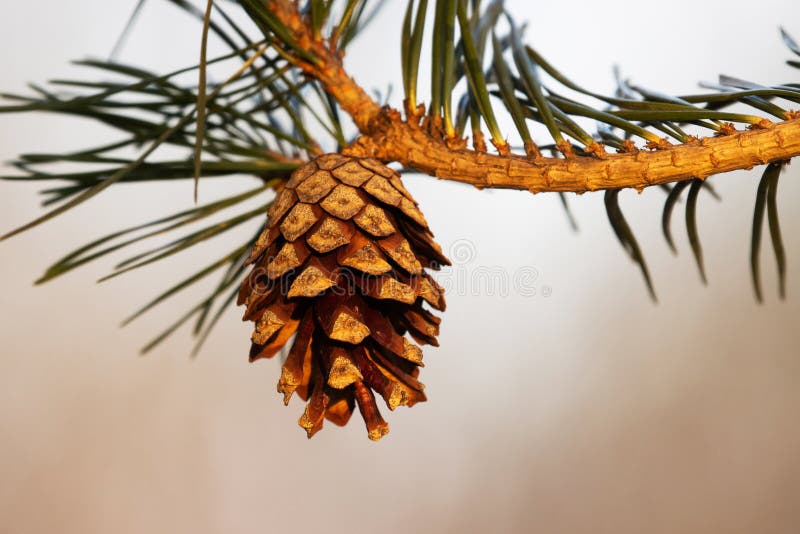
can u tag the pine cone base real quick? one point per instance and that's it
(340, 269)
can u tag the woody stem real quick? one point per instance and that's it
(387, 137)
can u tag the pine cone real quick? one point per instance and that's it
(340, 266)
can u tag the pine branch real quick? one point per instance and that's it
(396, 140)
(388, 137)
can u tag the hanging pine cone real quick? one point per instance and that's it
(340, 266)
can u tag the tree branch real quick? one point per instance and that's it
(391, 139)
(350, 96)
(387, 137)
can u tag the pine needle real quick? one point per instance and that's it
(201, 100)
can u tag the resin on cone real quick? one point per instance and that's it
(339, 275)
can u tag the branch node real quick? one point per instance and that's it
(565, 147)
(456, 143)
(597, 150)
(502, 147)
(628, 147)
(661, 144)
(478, 142)
(532, 151)
(763, 124)
(727, 128)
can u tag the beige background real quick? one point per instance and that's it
(588, 410)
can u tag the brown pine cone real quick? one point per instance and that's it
(340, 266)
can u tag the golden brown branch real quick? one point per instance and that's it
(391, 139)
(350, 96)
(387, 137)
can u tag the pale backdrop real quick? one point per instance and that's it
(580, 409)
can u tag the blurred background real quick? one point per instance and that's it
(566, 402)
